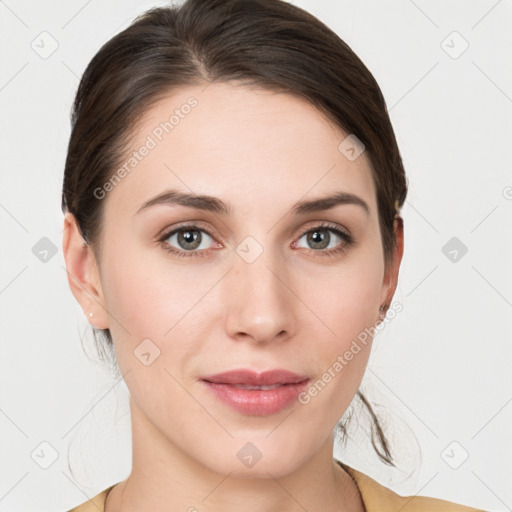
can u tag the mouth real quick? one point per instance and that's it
(247, 386)
(249, 378)
(256, 400)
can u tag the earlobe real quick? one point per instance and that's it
(82, 272)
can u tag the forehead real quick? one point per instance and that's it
(234, 141)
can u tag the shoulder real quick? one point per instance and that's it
(96, 504)
(378, 498)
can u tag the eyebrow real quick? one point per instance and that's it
(216, 205)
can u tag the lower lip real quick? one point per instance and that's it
(257, 402)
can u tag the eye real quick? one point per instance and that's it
(192, 240)
(319, 240)
(188, 239)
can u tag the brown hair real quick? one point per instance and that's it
(268, 43)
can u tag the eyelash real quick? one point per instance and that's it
(343, 246)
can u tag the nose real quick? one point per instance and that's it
(259, 303)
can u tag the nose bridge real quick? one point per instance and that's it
(259, 304)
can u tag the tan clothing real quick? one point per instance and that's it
(376, 498)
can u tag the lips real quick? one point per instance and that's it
(248, 379)
(254, 393)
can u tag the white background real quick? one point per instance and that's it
(440, 371)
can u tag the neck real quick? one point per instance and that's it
(164, 478)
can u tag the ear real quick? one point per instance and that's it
(83, 274)
(390, 280)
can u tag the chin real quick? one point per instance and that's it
(248, 461)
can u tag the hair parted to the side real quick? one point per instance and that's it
(270, 44)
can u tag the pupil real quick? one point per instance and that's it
(189, 237)
(320, 237)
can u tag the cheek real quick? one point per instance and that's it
(157, 299)
(344, 299)
(147, 296)
(343, 310)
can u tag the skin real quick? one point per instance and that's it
(293, 308)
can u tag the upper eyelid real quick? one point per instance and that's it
(325, 225)
(166, 233)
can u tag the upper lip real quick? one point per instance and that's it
(252, 378)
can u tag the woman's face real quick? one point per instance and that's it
(257, 287)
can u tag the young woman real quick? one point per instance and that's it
(232, 198)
